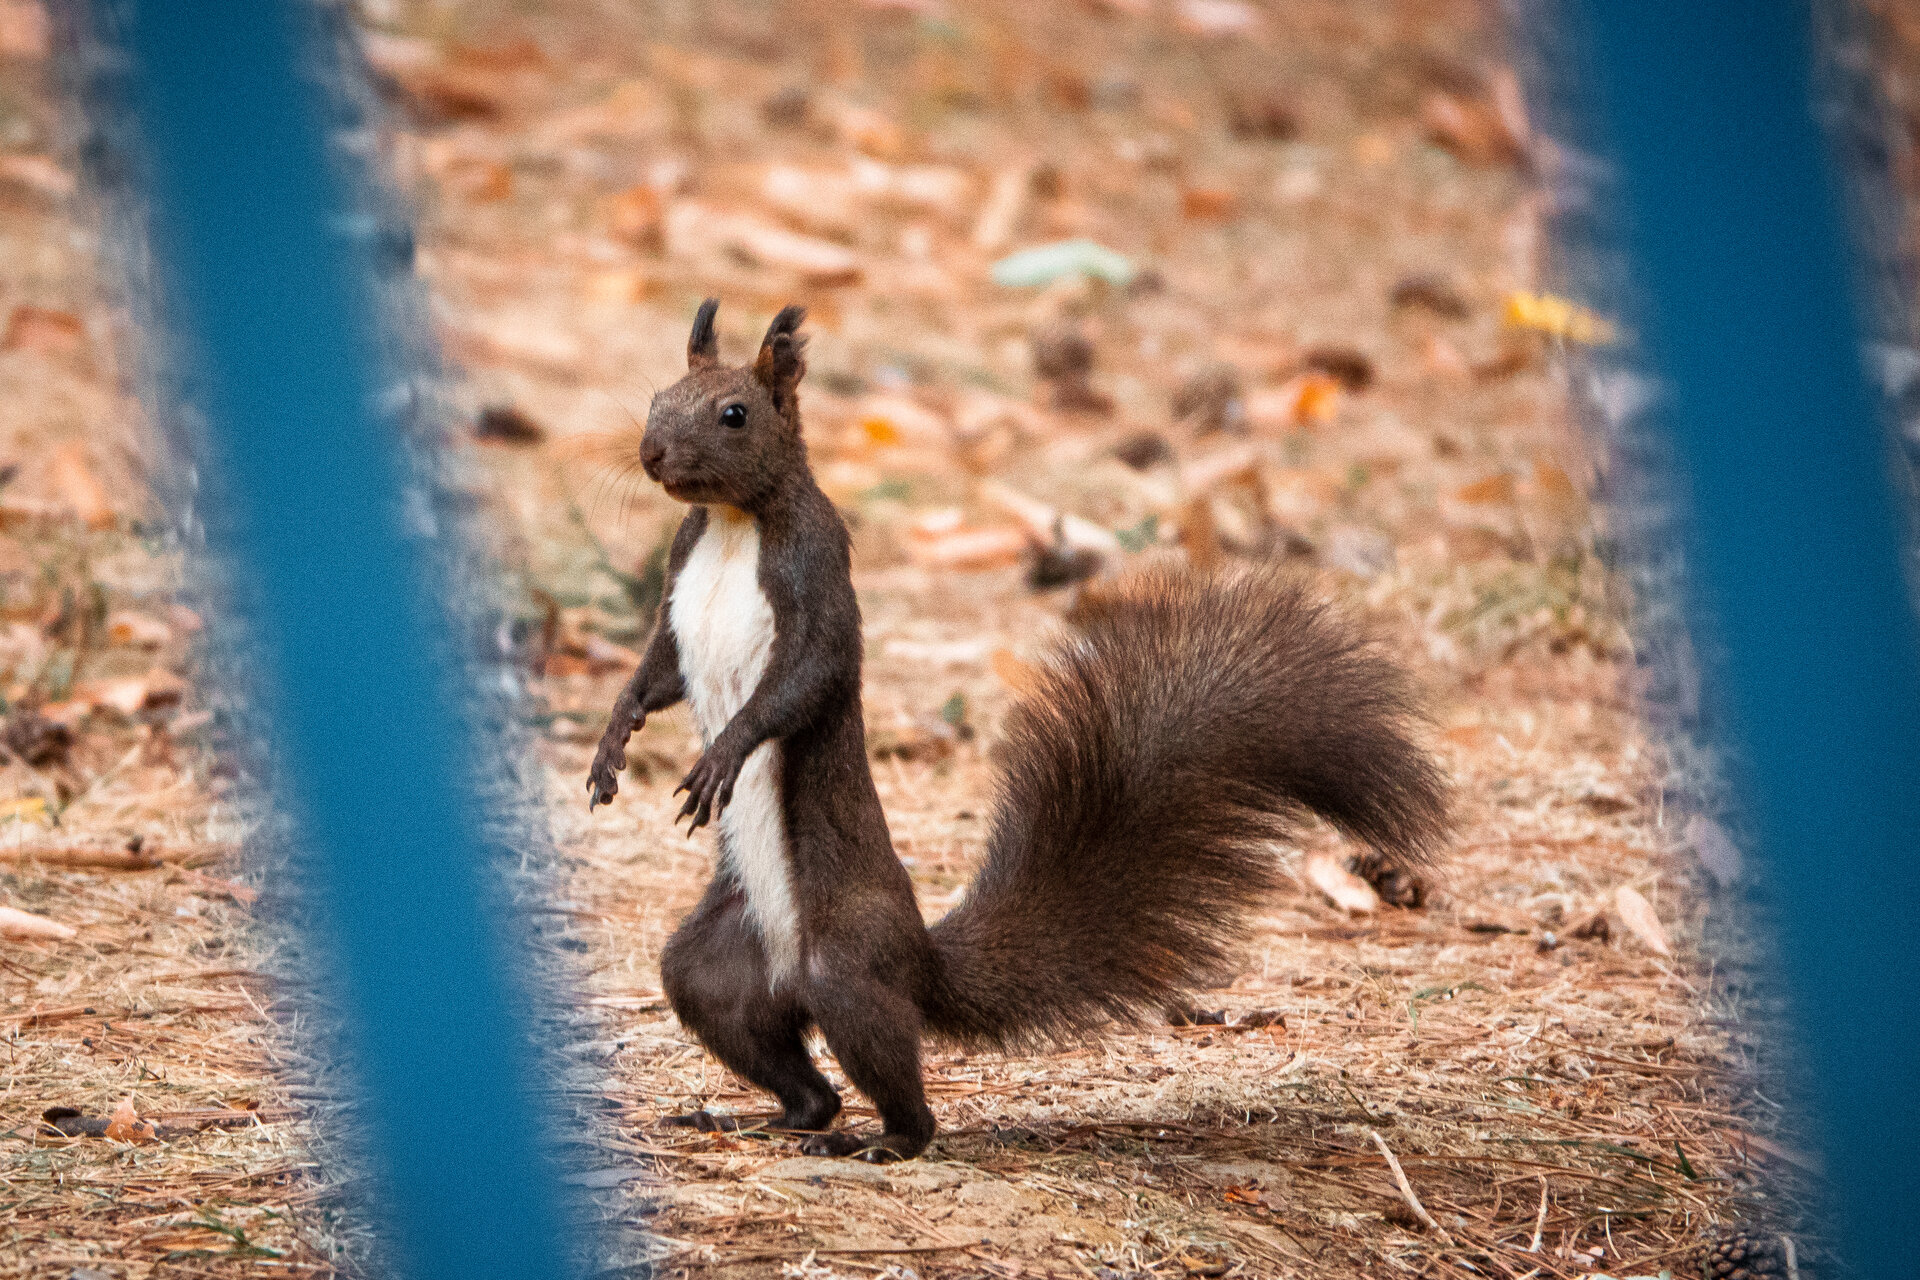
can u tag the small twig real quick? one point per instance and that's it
(1539, 1219)
(1406, 1189)
(1793, 1257)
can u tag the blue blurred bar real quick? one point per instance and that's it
(1735, 226)
(378, 768)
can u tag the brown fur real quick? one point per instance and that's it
(1168, 744)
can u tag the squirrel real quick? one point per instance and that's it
(1180, 730)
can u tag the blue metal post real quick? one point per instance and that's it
(381, 774)
(1734, 223)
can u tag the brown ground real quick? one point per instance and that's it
(1561, 1103)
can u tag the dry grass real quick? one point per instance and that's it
(1559, 1104)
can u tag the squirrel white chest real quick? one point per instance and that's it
(723, 628)
(721, 620)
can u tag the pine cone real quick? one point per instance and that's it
(1744, 1255)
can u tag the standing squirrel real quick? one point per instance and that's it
(1160, 752)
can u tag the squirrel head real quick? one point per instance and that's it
(730, 434)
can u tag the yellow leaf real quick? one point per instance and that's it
(1555, 315)
(25, 807)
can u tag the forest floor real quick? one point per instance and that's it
(1329, 211)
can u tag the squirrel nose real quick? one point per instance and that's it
(652, 454)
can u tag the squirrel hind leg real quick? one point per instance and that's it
(715, 975)
(874, 1032)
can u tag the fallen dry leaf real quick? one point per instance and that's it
(24, 808)
(482, 181)
(969, 549)
(42, 329)
(1309, 400)
(1715, 849)
(24, 29)
(1006, 201)
(1498, 487)
(1209, 204)
(1559, 318)
(78, 485)
(1554, 483)
(240, 893)
(1019, 675)
(138, 630)
(869, 131)
(1344, 889)
(132, 694)
(697, 230)
(1476, 132)
(1235, 464)
(410, 73)
(1297, 496)
(15, 923)
(620, 285)
(1638, 915)
(38, 174)
(891, 420)
(507, 424)
(1215, 18)
(1047, 524)
(1750, 1144)
(635, 216)
(125, 1125)
(1471, 736)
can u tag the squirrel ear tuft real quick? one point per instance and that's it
(703, 347)
(782, 360)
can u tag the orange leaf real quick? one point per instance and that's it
(1495, 488)
(137, 629)
(1019, 675)
(1309, 400)
(125, 1124)
(634, 216)
(42, 329)
(81, 489)
(1209, 204)
(1553, 482)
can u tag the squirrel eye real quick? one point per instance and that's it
(734, 415)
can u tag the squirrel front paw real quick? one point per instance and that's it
(603, 779)
(709, 786)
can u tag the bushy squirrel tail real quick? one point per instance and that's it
(1165, 745)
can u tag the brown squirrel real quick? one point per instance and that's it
(1164, 745)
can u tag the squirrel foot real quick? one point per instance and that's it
(817, 1119)
(1398, 885)
(708, 1122)
(884, 1149)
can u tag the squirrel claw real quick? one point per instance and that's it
(709, 788)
